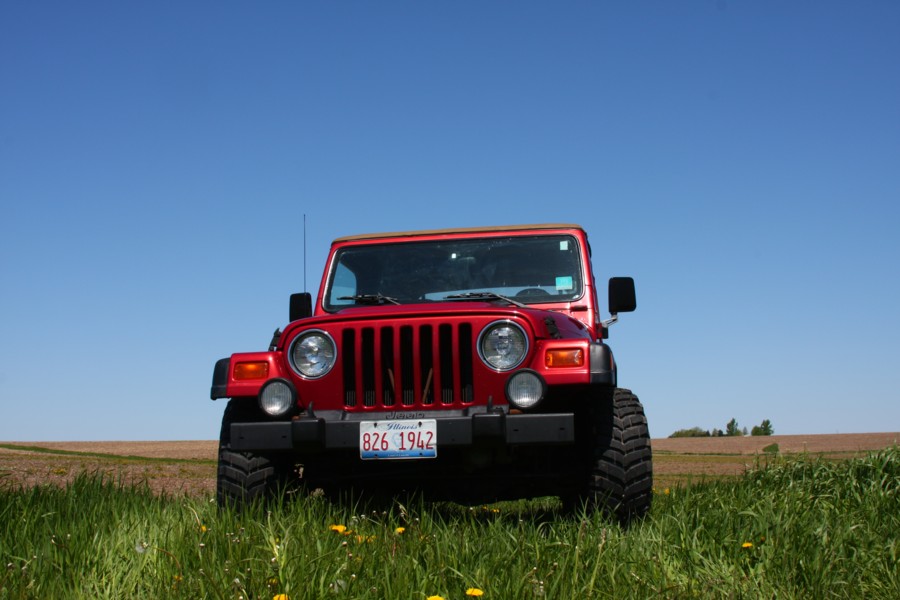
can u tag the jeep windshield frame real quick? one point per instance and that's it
(530, 269)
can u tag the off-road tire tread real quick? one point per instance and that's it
(622, 476)
(243, 477)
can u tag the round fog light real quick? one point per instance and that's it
(276, 398)
(525, 389)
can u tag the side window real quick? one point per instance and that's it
(344, 284)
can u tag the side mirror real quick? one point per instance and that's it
(301, 306)
(621, 295)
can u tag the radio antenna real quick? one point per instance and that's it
(304, 252)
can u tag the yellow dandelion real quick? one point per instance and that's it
(178, 578)
(666, 492)
(747, 545)
(474, 592)
(338, 528)
(203, 529)
(280, 597)
(399, 530)
(435, 598)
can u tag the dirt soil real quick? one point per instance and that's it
(205, 450)
(189, 467)
(829, 444)
(165, 467)
(682, 461)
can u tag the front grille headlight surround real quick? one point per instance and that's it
(525, 389)
(277, 397)
(503, 345)
(313, 354)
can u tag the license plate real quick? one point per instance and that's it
(414, 438)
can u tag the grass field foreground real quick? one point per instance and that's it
(797, 527)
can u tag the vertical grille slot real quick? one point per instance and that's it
(464, 353)
(445, 345)
(388, 371)
(426, 364)
(368, 366)
(407, 366)
(348, 349)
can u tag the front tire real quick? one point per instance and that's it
(243, 477)
(621, 477)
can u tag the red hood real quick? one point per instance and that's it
(546, 323)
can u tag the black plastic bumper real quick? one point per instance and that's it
(556, 428)
(220, 379)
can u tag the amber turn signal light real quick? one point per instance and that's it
(564, 357)
(251, 370)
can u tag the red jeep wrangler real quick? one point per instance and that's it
(468, 364)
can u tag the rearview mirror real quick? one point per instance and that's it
(621, 295)
(301, 306)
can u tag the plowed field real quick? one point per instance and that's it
(686, 460)
(190, 466)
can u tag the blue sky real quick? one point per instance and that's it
(741, 160)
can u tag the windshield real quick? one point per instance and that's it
(531, 270)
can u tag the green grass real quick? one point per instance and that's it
(797, 527)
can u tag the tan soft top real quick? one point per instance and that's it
(455, 230)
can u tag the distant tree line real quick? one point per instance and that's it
(731, 429)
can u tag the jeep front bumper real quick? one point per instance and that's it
(317, 433)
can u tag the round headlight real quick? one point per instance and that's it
(313, 354)
(276, 398)
(525, 389)
(503, 345)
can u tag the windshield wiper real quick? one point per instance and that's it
(371, 299)
(483, 296)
